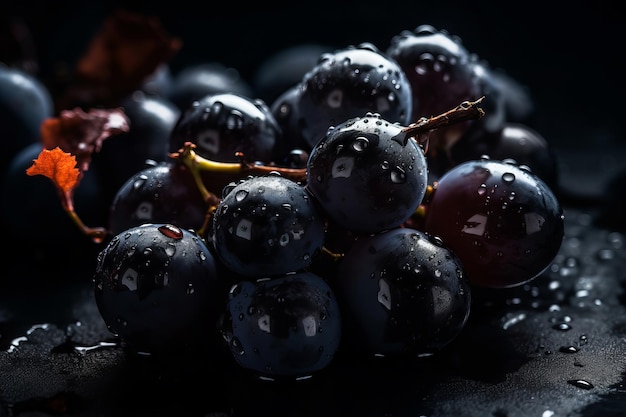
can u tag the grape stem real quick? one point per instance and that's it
(196, 164)
(467, 110)
(97, 234)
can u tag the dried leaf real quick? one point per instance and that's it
(82, 133)
(127, 49)
(57, 165)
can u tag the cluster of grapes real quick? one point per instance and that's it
(336, 218)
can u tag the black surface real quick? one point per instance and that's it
(513, 359)
(520, 355)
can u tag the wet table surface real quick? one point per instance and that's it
(553, 347)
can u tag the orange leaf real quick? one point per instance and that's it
(57, 165)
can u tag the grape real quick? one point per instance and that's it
(348, 83)
(267, 225)
(25, 103)
(401, 292)
(516, 141)
(287, 326)
(501, 220)
(162, 193)
(151, 119)
(157, 288)
(365, 178)
(196, 81)
(285, 69)
(285, 111)
(440, 71)
(220, 125)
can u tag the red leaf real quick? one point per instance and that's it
(57, 165)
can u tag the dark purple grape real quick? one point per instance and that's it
(440, 71)
(267, 225)
(151, 120)
(503, 222)
(515, 141)
(401, 292)
(162, 193)
(364, 175)
(348, 83)
(195, 81)
(25, 103)
(220, 125)
(157, 289)
(287, 326)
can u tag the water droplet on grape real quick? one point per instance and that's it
(235, 120)
(508, 177)
(240, 195)
(236, 346)
(360, 144)
(170, 249)
(140, 181)
(171, 231)
(190, 289)
(398, 176)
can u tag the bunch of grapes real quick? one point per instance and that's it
(354, 213)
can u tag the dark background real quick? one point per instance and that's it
(570, 57)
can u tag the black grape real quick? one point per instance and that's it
(151, 119)
(284, 69)
(288, 326)
(267, 225)
(195, 81)
(348, 83)
(401, 292)
(365, 177)
(163, 193)
(220, 125)
(25, 102)
(157, 288)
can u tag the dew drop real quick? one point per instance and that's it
(398, 176)
(236, 346)
(568, 349)
(171, 231)
(508, 177)
(140, 181)
(241, 195)
(235, 120)
(580, 383)
(562, 327)
(360, 144)
(170, 249)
